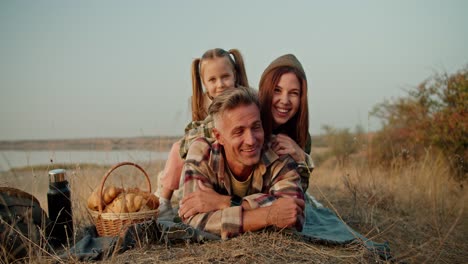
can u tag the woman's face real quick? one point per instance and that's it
(286, 99)
(217, 75)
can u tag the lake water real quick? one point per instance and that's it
(13, 158)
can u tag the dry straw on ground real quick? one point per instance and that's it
(416, 207)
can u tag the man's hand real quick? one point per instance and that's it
(203, 200)
(284, 212)
(282, 144)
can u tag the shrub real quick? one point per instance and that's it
(433, 115)
(342, 142)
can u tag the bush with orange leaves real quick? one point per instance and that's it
(432, 117)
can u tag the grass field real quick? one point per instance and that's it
(416, 207)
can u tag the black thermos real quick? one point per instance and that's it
(60, 211)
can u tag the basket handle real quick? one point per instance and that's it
(111, 170)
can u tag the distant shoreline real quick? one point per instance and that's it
(153, 143)
(157, 143)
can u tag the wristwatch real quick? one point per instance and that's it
(302, 168)
(236, 200)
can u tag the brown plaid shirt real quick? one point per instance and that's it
(204, 129)
(194, 130)
(272, 178)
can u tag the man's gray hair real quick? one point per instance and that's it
(232, 98)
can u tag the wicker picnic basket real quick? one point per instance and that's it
(113, 224)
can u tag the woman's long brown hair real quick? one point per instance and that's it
(298, 126)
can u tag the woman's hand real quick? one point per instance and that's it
(282, 144)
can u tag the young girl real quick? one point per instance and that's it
(285, 112)
(217, 71)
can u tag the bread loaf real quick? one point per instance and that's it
(109, 194)
(93, 201)
(118, 200)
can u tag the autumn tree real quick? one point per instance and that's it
(432, 115)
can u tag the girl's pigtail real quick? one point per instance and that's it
(241, 75)
(197, 92)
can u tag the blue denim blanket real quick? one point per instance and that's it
(322, 225)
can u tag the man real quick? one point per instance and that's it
(237, 184)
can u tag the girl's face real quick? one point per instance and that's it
(286, 99)
(217, 75)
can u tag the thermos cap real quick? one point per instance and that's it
(57, 175)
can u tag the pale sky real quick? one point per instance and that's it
(81, 69)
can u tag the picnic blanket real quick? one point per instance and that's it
(321, 226)
(93, 247)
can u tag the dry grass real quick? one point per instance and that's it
(263, 247)
(416, 207)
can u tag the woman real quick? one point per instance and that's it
(285, 112)
(283, 99)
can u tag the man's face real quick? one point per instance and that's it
(240, 132)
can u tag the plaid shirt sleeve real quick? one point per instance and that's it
(284, 182)
(227, 222)
(193, 131)
(306, 169)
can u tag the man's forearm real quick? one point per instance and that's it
(255, 219)
(284, 212)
